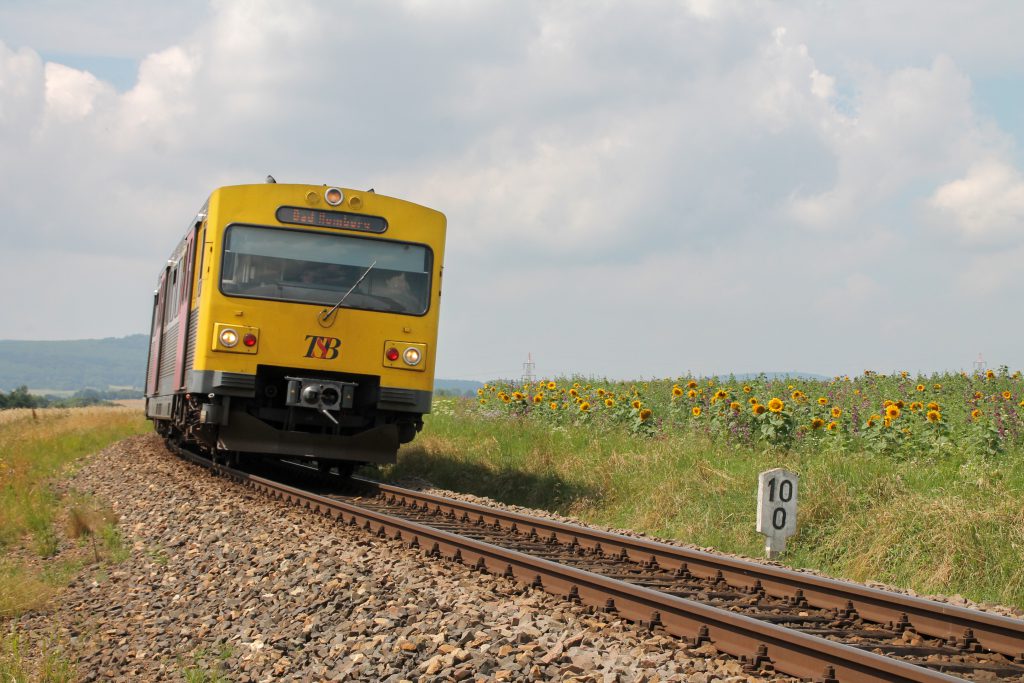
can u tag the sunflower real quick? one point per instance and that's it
(537, 398)
(735, 406)
(584, 407)
(817, 423)
(1007, 395)
(753, 400)
(691, 384)
(934, 416)
(609, 402)
(746, 389)
(506, 398)
(600, 392)
(636, 404)
(574, 393)
(977, 394)
(937, 387)
(831, 426)
(871, 423)
(975, 414)
(933, 406)
(553, 405)
(758, 409)
(516, 396)
(692, 393)
(989, 374)
(696, 411)
(721, 393)
(677, 391)
(836, 411)
(645, 414)
(892, 412)
(483, 401)
(822, 401)
(899, 404)
(797, 396)
(920, 387)
(479, 392)
(552, 386)
(776, 405)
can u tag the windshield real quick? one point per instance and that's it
(318, 268)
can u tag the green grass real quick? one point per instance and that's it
(53, 666)
(36, 449)
(937, 524)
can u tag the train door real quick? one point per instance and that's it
(156, 335)
(184, 309)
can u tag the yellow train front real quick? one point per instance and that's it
(298, 320)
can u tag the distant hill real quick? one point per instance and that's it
(74, 364)
(460, 387)
(68, 366)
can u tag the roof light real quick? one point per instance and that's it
(334, 196)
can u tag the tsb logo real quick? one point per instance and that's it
(325, 348)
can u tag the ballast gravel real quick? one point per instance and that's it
(222, 581)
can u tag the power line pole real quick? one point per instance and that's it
(528, 370)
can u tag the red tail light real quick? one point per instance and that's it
(392, 353)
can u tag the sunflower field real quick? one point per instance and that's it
(895, 414)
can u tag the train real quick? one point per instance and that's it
(298, 322)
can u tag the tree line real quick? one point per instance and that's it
(21, 398)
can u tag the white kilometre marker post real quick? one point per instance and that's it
(776, 509)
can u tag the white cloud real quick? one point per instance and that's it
(71, 94)
(163, 99)
(634, 177)
(21, 91)
(986, 205)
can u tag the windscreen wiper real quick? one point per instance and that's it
(325, 315)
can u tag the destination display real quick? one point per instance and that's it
(331, 219)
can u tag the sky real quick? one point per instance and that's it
(633, 189)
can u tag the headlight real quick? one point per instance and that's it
(228, 337)
(411, 356)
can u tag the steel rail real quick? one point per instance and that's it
(941, 620)
(759, 644)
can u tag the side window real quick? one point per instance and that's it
(171, 300)
(201, 246)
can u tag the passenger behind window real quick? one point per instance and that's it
(398, 290)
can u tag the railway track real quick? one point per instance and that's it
(773, 619)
